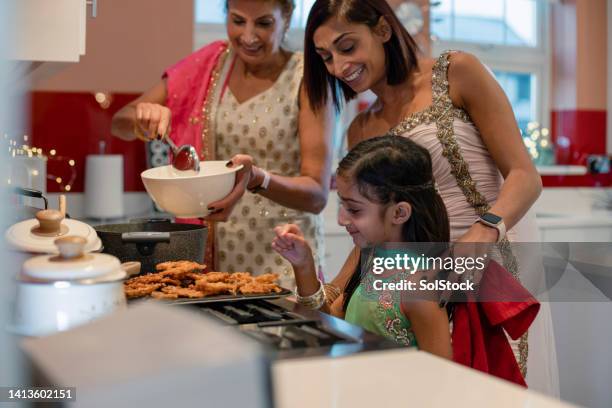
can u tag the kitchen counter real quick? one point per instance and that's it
(595, 218)
(561, 170)
(397, 378)
(118, 359)
(580, 207)
(575, 215)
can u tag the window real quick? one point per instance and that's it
(210, 22)
(210, 11)
(520, 89)
(213, 11)
(504, 22)
(510, 37)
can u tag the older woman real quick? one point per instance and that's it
(243, 100)
(452, 106)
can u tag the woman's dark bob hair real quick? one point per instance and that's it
(400, 50)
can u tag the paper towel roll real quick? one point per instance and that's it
(104, 186)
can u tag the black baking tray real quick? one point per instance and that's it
(218, 298)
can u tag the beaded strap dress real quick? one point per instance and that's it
(469, 183)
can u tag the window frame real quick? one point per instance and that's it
(535, 60)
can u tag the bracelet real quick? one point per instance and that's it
(264, 184)
(314, 301)
(331, 292)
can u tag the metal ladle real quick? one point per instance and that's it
(184, 158)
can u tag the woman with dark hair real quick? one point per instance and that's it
(452, 106)
(243, 100)
(387, 195)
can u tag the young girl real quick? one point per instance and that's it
(387, 194)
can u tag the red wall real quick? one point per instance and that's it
(73, 124)
(578, 133)
(579, 80)
(129, 44)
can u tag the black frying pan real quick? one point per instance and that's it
(153, 241)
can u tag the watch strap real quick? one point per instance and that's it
(500, 227)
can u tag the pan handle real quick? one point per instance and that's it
(145, 237)
(149, 220)
(145, 241)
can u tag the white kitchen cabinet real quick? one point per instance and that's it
(574, 215)
(338, 243)
(44, 30)
(337, 248)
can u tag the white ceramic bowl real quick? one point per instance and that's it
(186, 194)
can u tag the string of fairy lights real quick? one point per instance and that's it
(539, 145)
(23, 149)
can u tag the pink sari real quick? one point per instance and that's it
(194, 86)
(190, 84)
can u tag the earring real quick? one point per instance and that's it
(386, 31)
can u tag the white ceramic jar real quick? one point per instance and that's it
(59, 292)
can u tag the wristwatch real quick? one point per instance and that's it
(494, 221)
(264, 184)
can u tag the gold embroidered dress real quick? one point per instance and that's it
(265, 127)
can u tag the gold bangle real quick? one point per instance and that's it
(331, 292)
(314, 301)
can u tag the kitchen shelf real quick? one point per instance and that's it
(562, 170)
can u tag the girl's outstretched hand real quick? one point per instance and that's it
(292, 246)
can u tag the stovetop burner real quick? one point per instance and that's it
(292, 335)
(290, 330)
(274, 326)
(247, 312)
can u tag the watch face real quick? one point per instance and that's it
(491, 218)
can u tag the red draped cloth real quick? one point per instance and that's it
(478, 337)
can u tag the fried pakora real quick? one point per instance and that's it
(186, 279)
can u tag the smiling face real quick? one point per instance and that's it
(369, 223)
(255, 29)
(353, 53)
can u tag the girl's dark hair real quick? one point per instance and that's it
(391, 169)
(400, 50)
(287, 6)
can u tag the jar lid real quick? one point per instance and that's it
(38, 234)
(71, 263)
